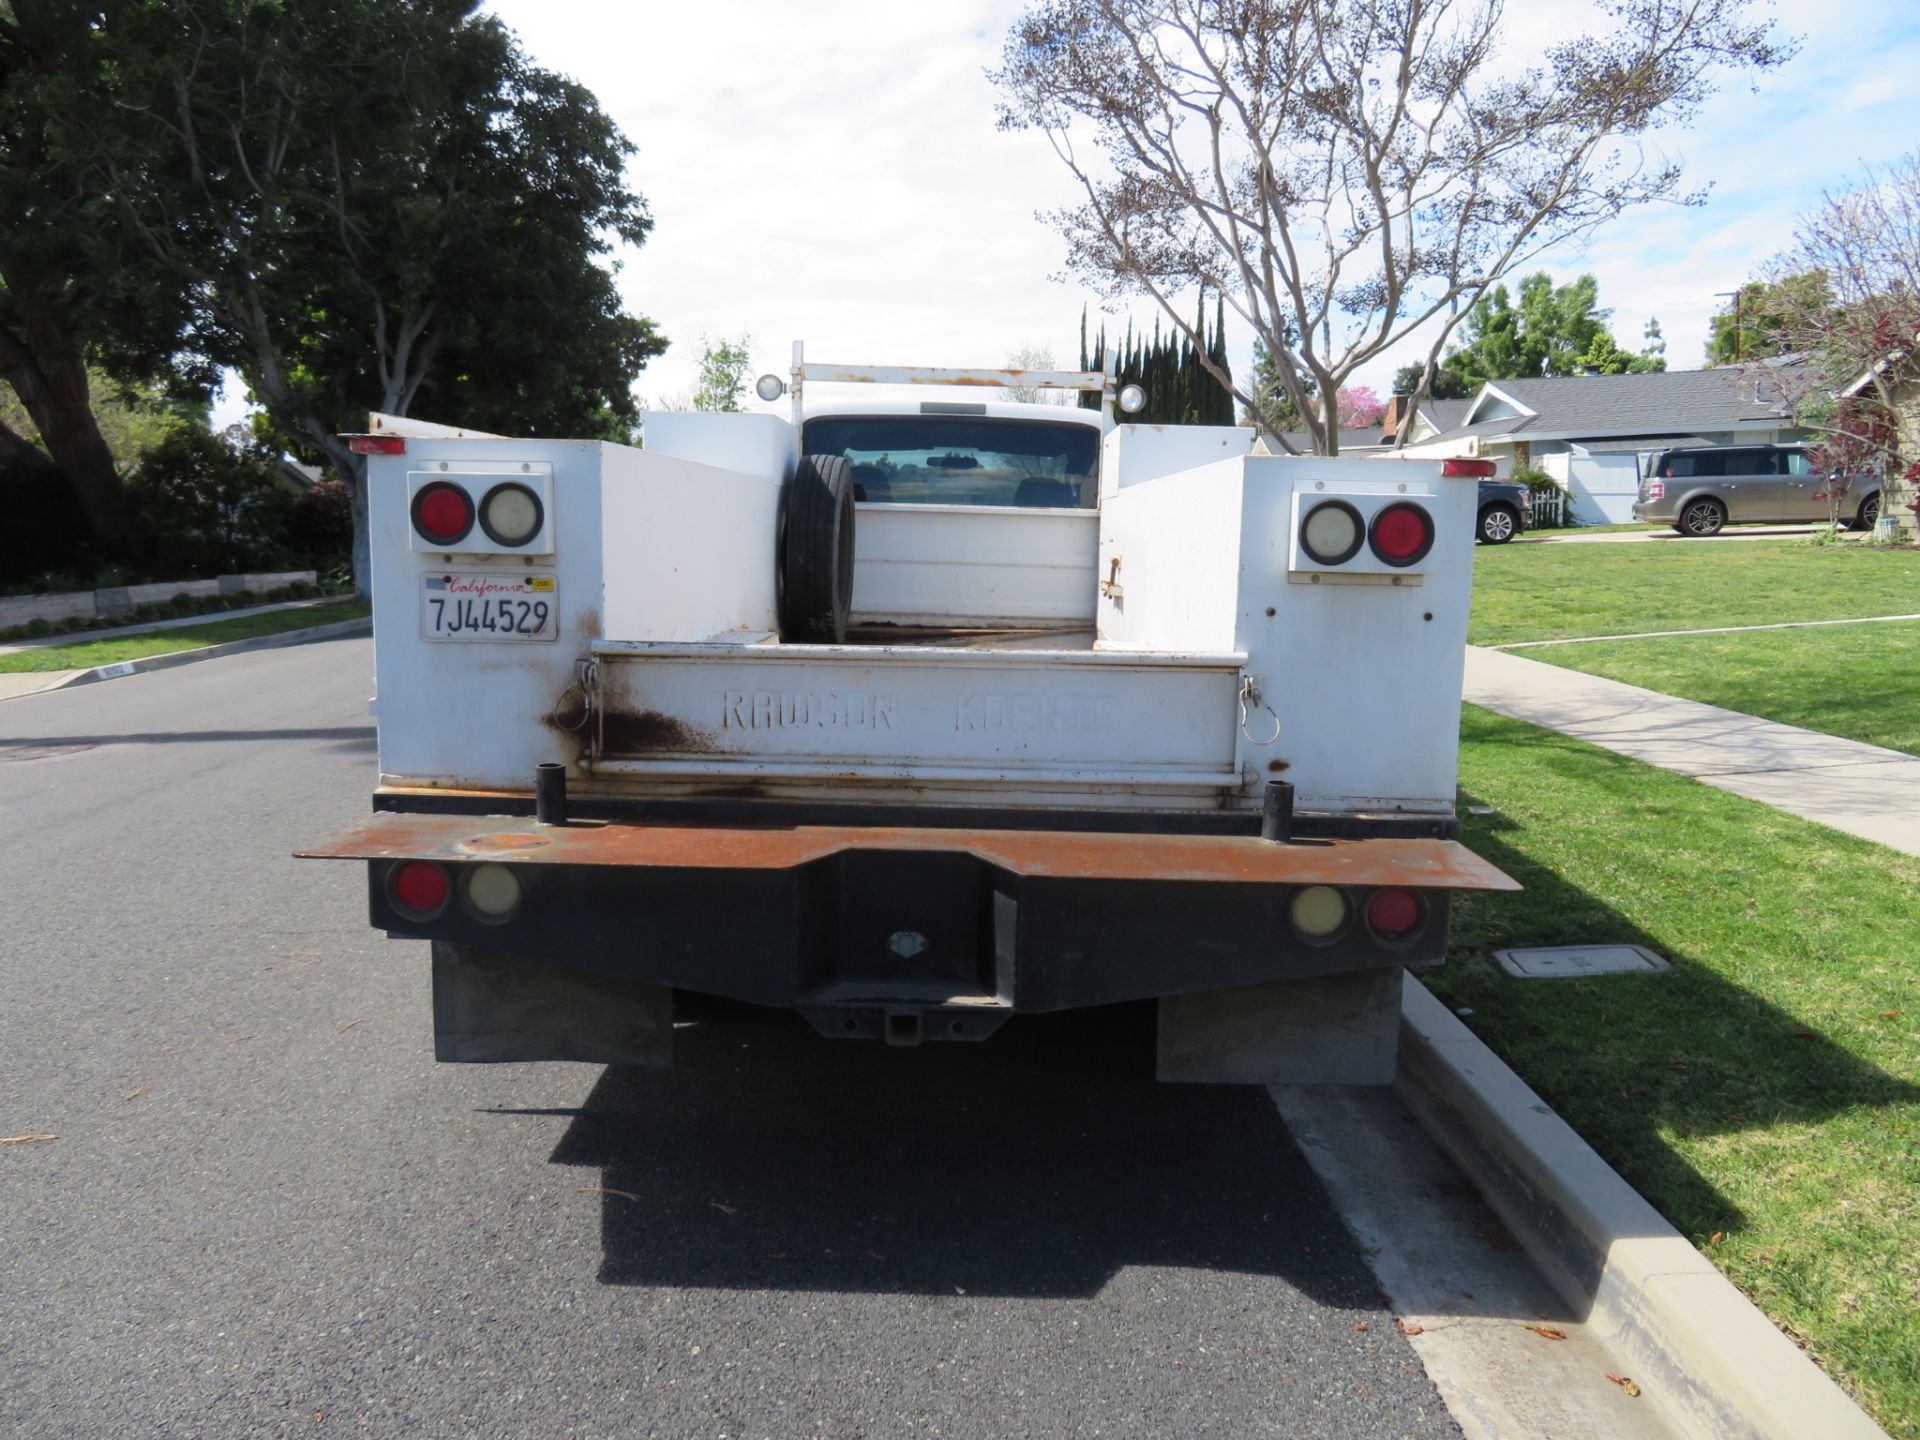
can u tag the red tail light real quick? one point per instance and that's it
(1460, 469)
(1394, 914)
(1402, 534)
(1656, 490)
(442, 513)
(418, 889)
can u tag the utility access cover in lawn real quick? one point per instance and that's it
(1568, 962)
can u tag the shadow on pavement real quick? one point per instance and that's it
(1037, 1163)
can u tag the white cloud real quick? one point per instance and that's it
(829, 173)
(832, 172)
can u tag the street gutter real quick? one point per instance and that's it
(1715, 1366)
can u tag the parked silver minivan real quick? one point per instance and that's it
(1699, 488)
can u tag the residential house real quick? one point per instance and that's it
(1899, 496)
(1435, 417)
(1591, 432)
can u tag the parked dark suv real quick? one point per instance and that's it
(1697, 489)
(1506, 509)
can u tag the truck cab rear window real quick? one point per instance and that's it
(963, 460)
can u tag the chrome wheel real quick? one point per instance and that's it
(1869, 513)
(1703, 517)
(1496, 525)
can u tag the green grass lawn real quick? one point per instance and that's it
(1595, 530)
(1860, 681)
(1548, 592)
(1765, 1093)
(85, 654)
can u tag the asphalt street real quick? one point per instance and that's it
(269, 1212)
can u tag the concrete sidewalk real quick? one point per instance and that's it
(1861, 789)
(31, 682)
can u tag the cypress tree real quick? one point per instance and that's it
(1167, 366)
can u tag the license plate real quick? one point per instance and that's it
(489, 607)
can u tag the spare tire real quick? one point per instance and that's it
(813, 576)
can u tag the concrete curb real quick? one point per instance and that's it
(1714, 1365)
(119, 669)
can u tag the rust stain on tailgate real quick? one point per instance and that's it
(640, 732)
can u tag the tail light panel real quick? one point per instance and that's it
(507, 507)
(1343, 534)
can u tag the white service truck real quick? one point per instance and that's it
(914, 716)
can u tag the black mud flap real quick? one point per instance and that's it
(1323, 1030)
(491, 1008)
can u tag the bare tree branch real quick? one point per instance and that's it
(1347, 172)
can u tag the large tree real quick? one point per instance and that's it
(1444, 384)
(1350, 172)
(71, 290)
(1552, 330)
(375, 207)
(1359, 407)
(1754, 323)
(722, 382)
(1177, 376)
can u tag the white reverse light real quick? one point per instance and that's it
(511, 514)
(769, 387)
(493, 892)
(1332, 532)
(1132, 399)
(1318, 911)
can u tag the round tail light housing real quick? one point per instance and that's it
(442, 513)
(1332, 532)
(511, 514)
(1319, 914)
(493, 893)
(1395, 916)
(1401, 534)
(419, 889)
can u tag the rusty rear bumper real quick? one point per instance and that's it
(853, 923)
(1057, 855)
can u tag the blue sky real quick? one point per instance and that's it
(832, 172)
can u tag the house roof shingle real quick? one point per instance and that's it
(1445, 414)
(1658, 403)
